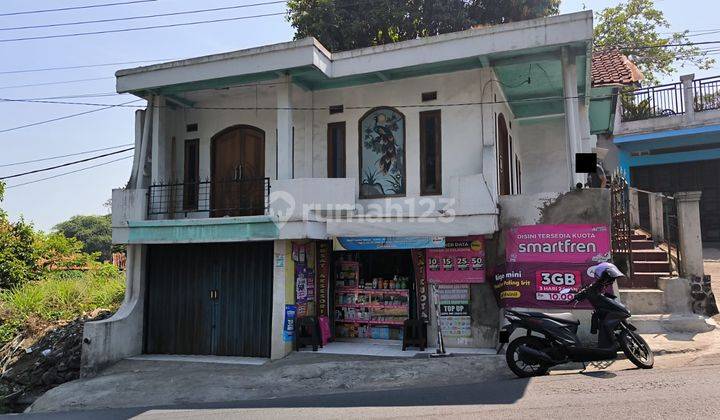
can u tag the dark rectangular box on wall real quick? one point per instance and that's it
(585, 163)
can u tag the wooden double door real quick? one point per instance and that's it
(209, 299)
(238, 172)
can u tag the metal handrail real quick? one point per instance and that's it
(219, 198)
(706, 94)
(653, 102)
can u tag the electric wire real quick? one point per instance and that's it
(62, 165)
(67, 173)
(62, 9)
(6, 165)
(126, 18)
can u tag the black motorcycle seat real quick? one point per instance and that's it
(563, 317)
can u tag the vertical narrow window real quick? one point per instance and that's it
(510, 168)
(503, 158)
(336, 150)
(430, 153)
(191, 177)
(518, 172)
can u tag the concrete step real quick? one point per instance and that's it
(640, 281)
(651, 267)
(669, 323)
(641, 244)
(649, 255)
(643, 301)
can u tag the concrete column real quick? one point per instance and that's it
(283, 284)
(634, 209)
(688, 96)
(284, 129)
(160, 153)
(572, 120)
(691, 247)
(656, 217)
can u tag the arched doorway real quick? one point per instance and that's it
(238, 172)
(503, 156)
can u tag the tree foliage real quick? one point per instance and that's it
(18, 255)
(639, 30)
(94, 232)
(349, 24)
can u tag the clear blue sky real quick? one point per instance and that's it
(49, 202)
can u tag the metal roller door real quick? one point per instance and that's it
(209, 299)
(701, 175)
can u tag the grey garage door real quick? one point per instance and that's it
(209, 299)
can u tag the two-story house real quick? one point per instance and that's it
(287, 177)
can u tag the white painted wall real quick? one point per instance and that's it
(468, 132)
(543, 153)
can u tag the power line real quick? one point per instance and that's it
(62, 165)
(84, 66)
(187, 12)
(67, 173)
(62, 9)
(84, 95)
(63, 156)
(142, 28)
(62, 82)
(65, 117)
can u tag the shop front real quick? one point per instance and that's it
(369, 290)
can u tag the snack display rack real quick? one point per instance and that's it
(374, 308)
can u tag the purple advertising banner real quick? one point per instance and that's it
(542, 260)
(538, 285)
(558, 243)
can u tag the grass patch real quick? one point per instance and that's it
(59, 296)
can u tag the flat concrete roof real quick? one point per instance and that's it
(310, 58)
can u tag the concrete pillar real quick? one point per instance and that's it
(284, 129)
(691, 247)
(688, 96)
(572, 121)
(656, 216)
(283, 292)
(634, 209)
(160, 145)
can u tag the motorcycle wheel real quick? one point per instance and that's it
(523, 369)
(636, 349)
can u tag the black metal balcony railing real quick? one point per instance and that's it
(707, 94)
(653, 102)
(247, 197)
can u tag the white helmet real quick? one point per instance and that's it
(612, 271)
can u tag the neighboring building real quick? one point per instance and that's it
(612, 72)
(254, 169)
(668, 138)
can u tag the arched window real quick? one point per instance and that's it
(382, 153)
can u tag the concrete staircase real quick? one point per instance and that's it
(649, 263)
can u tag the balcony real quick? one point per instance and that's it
(248, 197)
(689, 103)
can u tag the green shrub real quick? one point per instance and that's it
(60, 295)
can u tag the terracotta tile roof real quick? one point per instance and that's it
(610, 67)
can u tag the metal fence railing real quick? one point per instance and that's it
(247, 197)
(706, 94)
(652, 102)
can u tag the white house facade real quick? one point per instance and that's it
(288, 178)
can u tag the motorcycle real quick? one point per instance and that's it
(551, 339)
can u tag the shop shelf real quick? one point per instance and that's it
(371, 305)
(361, 321)
(358, 290)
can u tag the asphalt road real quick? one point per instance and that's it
(690, 389)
